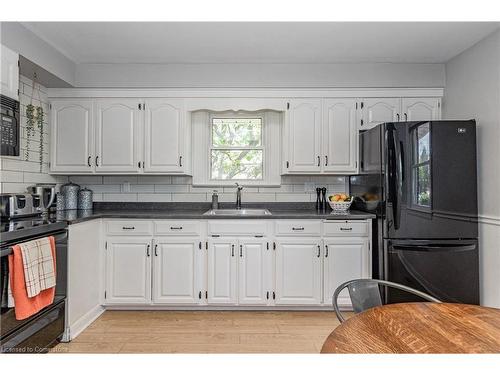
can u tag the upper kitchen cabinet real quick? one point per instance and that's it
(339, 135)
(374, 111)
(164, 136)
(118, 136)
(72, 136)
(421, 109)
(10, 73)
(302, 136)
(320, 136)
(378, 110)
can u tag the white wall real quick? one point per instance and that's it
(21, 40)
(260, 75)
(473, 92)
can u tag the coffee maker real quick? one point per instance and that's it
(46, 194)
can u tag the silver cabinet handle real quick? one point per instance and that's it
(232, 250)
(319, 251)
(326, 251)
(297, 228)
(147, 249)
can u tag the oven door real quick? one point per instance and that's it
(445, 269)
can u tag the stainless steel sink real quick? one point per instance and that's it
(235, 212)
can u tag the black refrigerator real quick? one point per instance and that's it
(420, 179)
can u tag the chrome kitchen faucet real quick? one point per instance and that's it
(239, 188)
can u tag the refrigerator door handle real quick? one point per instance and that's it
(434, 247)
(398, 181)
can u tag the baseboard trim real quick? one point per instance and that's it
(76, 328)
(223, 308)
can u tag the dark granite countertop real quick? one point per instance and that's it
(195, 211)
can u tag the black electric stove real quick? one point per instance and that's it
(16, 230)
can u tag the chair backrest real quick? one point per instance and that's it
(365, 294)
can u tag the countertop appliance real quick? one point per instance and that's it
(9, 126)
(19, 205)
(420, 179)
(42, 330)
(46, 194)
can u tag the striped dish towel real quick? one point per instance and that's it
(38, 264)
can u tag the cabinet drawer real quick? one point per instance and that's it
(183, 228)
(346, 228)
(121, 227)
(298, 227)
(237, 227)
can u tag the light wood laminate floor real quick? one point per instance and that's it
(204, 332)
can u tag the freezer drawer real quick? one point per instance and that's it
(445, 269)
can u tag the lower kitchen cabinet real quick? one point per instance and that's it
(344, 259)
(222, 271)
(177, 266)
(128, 270)
(254, 271)
(298, 271)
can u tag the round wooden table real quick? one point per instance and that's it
(418, 328)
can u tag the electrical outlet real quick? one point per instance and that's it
(309, 187)
(126, 187)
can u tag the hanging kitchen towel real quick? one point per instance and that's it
(38, 264)
(25, 306)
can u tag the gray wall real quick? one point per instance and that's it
(260, 75)
(473, 91)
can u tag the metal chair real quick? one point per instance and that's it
(365, 294)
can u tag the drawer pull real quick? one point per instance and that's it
(297, 228)
(128, 228)
(347, 229)
(176, 228)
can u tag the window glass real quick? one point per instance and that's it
(236, 132)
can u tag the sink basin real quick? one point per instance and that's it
(235, 212)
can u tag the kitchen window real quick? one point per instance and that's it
(421, 166)
(236, 146)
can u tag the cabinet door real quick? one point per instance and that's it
(118, 135)
(222, 268)
(9, 73)
(176, 276)
(303, 133)
(339, 135)
(298, 271)
(164, 136)
(128, 270)
(344, 259)
(254, 271)
(378, 110)
(421, 109)
(72, 147)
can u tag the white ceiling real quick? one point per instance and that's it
(275, 42)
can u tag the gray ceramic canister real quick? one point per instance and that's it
(70, 192)
(85, 199)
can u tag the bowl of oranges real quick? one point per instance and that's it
(340, 202)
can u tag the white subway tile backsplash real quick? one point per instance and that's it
(119, 179)
(293, 197)
(155, 180)
(259, 197)
(126, 197)
(104, 188)
(160, 197)
(171, 188)
(142, 188)
(193, 197)
(86, 180)
(181, 180)
(11, 176)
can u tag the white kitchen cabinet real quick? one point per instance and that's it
(420, 109)
(222, 271)
(254, 271)
(9, 73)
(164, 136)
(128, 270)
(302, 136)
(345, 259)
(176, 270)
(72, 136)
(298, 271)
(118, 136)
(379, 110)
(339, 136)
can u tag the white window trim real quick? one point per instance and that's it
(271, 139)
